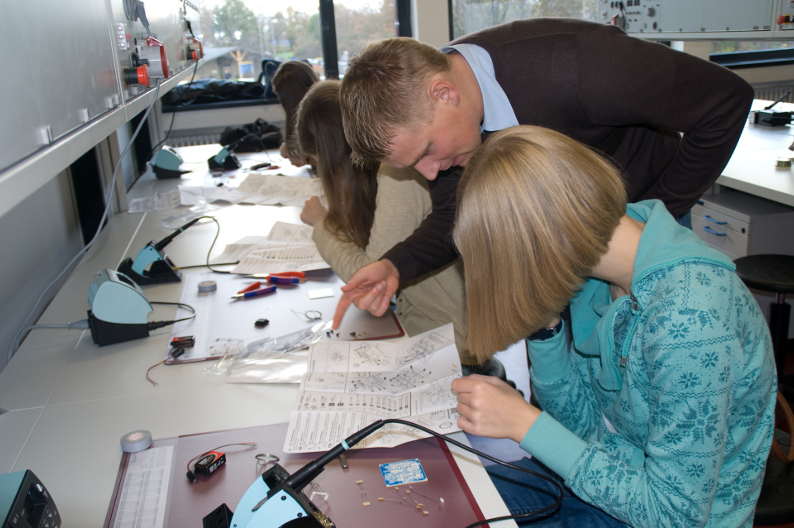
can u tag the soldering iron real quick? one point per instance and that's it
(275, 500)
(162, 269)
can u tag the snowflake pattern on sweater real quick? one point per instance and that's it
(693, 406)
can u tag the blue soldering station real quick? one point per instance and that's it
(161, 269)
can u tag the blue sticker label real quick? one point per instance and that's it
(403, 472)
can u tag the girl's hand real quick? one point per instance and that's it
(313, 211)
(490, 407)
(298, 162)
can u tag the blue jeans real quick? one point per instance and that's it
(685, 220)
(524, 493)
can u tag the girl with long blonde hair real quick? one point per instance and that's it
(658, 392)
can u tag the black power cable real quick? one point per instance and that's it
(299, 479)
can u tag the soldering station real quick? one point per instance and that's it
(275, 499)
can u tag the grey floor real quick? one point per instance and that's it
(515, 361)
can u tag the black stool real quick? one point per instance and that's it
(772, 273)
(775, 274)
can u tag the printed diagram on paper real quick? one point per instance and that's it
(271, 189)
(145, 489)
(263, 189)
(297, 234)
(158, 202)
(351, 384)
(288, 247)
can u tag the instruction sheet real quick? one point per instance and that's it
(145, 489)
(158, 202)
(288, 247)
(262, 189)
(349, 385)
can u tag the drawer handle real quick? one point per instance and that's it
(710, 219)
(709, 230)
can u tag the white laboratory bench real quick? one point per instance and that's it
(752, 166)
(68, 401)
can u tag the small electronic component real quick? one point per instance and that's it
(262, 165)
(263, 459)
(363, 492)
(183, 341)
(209, 463)
(440, 499)
(261, 323)
(310, 315)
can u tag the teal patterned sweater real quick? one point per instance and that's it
(682, 369)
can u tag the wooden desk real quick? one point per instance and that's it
(70, 401)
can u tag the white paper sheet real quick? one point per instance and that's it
(352, 384)
(263, 189)
(276, 257)
(285, 232)
(157, 202)
(278, 189)
(238, 250)
(142, 500)
(192, 195)
(288, 247)
(320, 431)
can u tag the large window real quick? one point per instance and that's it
(472, 15)
(241, 33)
(749, 45)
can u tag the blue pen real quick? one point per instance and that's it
(255, 293)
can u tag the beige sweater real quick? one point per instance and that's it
(427, 302)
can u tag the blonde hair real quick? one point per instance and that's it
(384, 88)
(536, 211)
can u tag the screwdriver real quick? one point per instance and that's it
(255, 293)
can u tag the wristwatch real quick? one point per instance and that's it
(546, 333)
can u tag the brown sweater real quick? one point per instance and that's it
(627, 98)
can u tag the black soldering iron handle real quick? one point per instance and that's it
(298, 480)
(778, 100)
(234, 144)
(167, 240)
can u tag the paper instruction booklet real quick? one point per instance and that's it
(262, 189)
(288, 247)
(158, 202)
(349, 385)
(144, 492)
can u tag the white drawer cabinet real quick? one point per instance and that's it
(741, 224)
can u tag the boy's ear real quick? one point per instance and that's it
(442, 90)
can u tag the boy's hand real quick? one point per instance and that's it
(370, 288)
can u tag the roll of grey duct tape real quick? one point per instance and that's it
(207, 286)
(136, 441)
